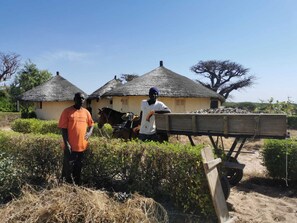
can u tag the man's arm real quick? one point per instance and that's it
(163, 110)
(89, 132)
(65, 139)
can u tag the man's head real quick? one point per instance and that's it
(79, 99)
(153, 94)
(154, 91)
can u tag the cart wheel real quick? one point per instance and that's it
(225, 186)
(234, 175)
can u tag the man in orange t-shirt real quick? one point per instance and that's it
(77, 126)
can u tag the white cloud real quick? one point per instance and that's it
(64, 55)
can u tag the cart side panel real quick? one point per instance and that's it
(243, 124)
(254, 125)
(275, 125)
(210, 124)
(180, 123)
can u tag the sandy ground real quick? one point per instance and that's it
(5, 128)
(257, 198)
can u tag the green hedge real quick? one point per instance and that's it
(160, 171)
(35, 126)
(10, 177)
(38, 126)
(274, 156)
(292, 122)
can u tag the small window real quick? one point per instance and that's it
(214, 104)
(38, 105)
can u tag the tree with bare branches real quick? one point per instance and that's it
(9, 64)
(223, 77)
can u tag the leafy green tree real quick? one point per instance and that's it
(271, 106)
(223, 77)
(5, 104)
(27, 78)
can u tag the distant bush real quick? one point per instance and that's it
(51, 126)
(248, 106)
(292, 122)
(28, 114)
(26, 125)
(274, 155)
(161, 171)
(266, 106)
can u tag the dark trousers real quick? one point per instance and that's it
(144, 137)
(154, 137)
(72, 164)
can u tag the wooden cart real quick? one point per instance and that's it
(239, 126)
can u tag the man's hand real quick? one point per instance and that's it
(136, 129)
(87, 136)
(89, 132)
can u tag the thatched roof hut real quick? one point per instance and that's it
(55, 89)
(114, 83)
(51, 97)
(168, 82)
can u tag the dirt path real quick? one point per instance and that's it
(257, 198)
(5, 128)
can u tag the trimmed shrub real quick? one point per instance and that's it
(38, 156)
(49, 126)
(10, 177)
(156, 170)
(161, 171)
(26, 125)
(28, 114)
(274, 155)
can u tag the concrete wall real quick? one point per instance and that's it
(51, 110)
(177, 105)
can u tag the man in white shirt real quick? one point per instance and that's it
(148, 108)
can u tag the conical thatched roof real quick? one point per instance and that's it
(55, 89)
(169, 83)
(105, 88)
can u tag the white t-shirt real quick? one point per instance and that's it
(149, 127)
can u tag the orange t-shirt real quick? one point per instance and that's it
(76, 121)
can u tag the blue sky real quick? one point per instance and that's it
(89, 42)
